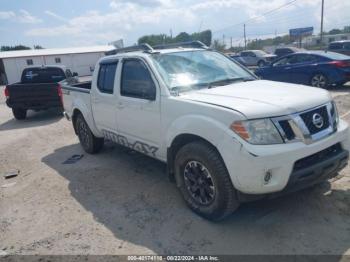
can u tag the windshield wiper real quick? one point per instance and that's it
(176, 89)
(225, 82)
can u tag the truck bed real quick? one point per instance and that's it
(76, 93)
(79, 87)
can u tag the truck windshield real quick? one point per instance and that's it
(42, 75)
(191, 70)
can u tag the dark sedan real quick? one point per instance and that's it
(315, 68)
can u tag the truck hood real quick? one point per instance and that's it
(261, 98)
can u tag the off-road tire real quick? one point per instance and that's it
(225, 200)
(90, 143)
(19, 113)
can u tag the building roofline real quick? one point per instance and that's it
(55, 51)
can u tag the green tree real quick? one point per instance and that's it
(183, 37)
(153, 40)
(335, 32)
(14, 48)
(217, 45)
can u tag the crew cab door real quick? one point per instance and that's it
(103, 97)
(138, 107)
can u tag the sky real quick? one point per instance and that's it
(66, 23)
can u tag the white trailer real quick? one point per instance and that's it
(78, 59)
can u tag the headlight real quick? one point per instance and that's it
(334, 113)
(258, 132)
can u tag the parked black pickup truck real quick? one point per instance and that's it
(38, 89)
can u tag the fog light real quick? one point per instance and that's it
(267, 177)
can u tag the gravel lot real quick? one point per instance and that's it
(120, 202)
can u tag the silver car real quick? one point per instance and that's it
(256, 58)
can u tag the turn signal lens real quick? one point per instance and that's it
(239, 129)
(6, 91)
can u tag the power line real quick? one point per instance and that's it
(322, 8)
(257, 17)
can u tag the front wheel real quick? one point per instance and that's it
(90, 143)
(319, 80)
(19, 113)
(204, 182)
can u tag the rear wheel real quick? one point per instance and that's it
(319, 80)
(19, 113)
(261, 63)
(204, 181)
(90, 143)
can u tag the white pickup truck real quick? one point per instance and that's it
(226, 136)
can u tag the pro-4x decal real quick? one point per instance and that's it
(137, 145)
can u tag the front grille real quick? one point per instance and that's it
(308, 119)
(308, 126)
(317, 157)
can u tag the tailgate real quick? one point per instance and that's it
(34, 95)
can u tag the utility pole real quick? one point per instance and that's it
(245, 39)
(231, 42)
(223, 40)
(322, 9)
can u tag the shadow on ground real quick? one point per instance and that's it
(33, 119)
(130, 195)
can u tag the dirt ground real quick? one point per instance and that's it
(121, 202)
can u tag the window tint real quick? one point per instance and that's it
(335, 46)
(304, 58)
(347, 46)
(42, 75)
(136, 80)
(106, 75)
(283, 61)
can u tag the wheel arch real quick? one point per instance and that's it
(75, 114)
(87, 115)
(177, 143)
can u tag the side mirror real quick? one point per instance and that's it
(75, 74)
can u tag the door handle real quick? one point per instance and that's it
(287, 68)
(120, 105)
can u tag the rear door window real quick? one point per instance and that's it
(106, 76)
(304, 58)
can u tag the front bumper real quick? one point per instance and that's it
(309, 175)
(35, 104)
(248, 164)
